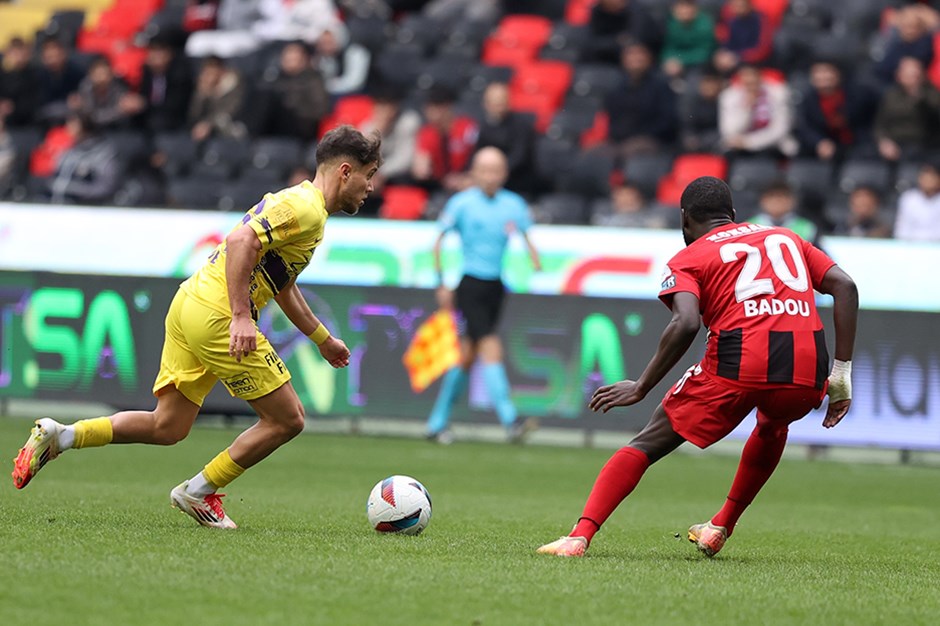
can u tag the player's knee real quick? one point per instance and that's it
(293, 424)
(168, 434)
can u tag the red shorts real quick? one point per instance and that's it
(704, 410)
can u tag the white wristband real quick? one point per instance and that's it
(840, 381)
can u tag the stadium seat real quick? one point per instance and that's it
(274, 157)
(517, 39)
(25, 140)
(753, 173)
(578, 12)
(595, 79)
(128, 63)
(867, 172)
(400, 64)
(368, 32)
(21, 21)
(561, 208)
(685, 169)
(467, 35)
(416, 29)
(65, 26)
(549, 78)
(194, 193)
(447, 71)
(483, 75)
(566, 43)
(179, 150)
(646, 170)
(809, 175)
(570, 123)
(403, 202)
(588, 175)
(906, 177)
(242, 194)
(540, 104)
(222, 158)
(552, 157)
(348, 110)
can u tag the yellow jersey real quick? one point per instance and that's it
(290, 225)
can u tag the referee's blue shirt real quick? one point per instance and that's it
(484, 225)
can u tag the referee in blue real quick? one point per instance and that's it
(484, 216)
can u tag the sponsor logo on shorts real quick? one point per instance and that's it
(274, 361)
(241, 384)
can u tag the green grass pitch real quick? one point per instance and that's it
(93, 541)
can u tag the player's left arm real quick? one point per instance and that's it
(678, 335)
(295, 307)
(844, 294)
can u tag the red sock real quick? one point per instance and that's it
(614, 483)
(759, 459)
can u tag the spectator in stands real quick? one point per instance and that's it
(615, 22)
(777, 204)
(690, 38)
(217, 102)
(834, 117)
(101, 97)
(864, 218)
(165, 88)
(754, 115)
(627, 208)
(19, 86)
(512, 133)
(343, 64)
(699, 118)
(745, 36)
(300, 99)
(911, 37)
(918, 216)
(460, 10)
(59, 77)
(642, 108)
(444, 143)
(244, 26)
(399, 127)
(7, 159)
(90, 171)
(907, 125)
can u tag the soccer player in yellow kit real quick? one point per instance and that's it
(212, 333)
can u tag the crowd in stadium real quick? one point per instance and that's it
(823, 115)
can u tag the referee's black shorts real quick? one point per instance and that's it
(480, 303)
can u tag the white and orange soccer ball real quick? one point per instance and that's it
(399, 504)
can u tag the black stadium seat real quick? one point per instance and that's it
(645, 171)
(753, 173)
(867, 172)
(808, 175)
(562, 208)
(595, 79)
(193, 193)
(179, 151)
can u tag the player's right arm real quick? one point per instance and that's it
(242, 248)
(844, 294)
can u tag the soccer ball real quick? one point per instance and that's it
(399, 504)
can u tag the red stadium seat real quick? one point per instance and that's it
(933, 72)
(517, 39)
(403, 202)
(542, 105)
(773, 9)
(685, 169)
(353, 110)
(551, 78)
(578, 12)
(596, 134)
(129, 64)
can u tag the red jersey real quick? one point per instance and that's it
(448, 154)
(755, 289)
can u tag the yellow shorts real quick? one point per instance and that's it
(195, 356)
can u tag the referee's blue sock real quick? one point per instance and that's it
(451, 387)
(497, 385)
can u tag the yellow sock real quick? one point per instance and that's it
(93, 433)
(222, 470)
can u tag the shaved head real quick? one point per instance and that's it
(489, 169)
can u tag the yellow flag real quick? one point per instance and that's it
(434, 349)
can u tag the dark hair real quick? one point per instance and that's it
(777, 187)
(869, 189)
(707, 198)
(347, 142)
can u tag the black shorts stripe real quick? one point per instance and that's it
(480, 302)
(729, 353)
(780, 357)
(274, 271)
(822, 358)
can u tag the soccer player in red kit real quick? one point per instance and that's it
(753, 287)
